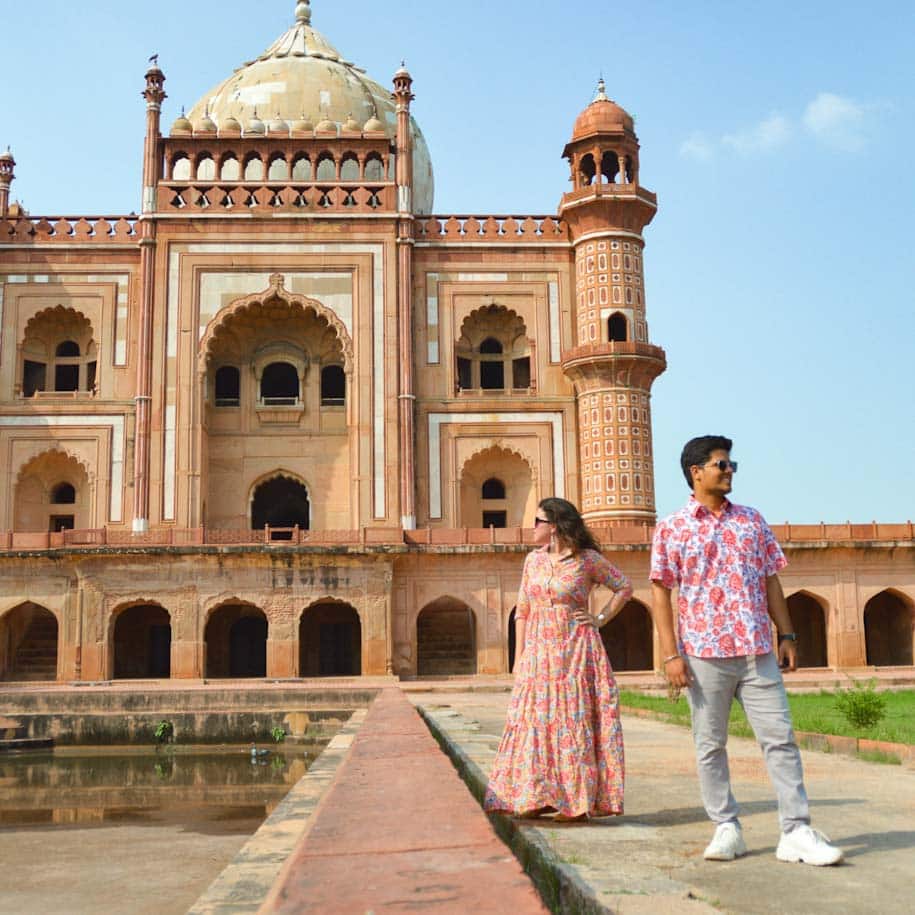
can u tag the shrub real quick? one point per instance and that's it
(278, 734)
(861, 705)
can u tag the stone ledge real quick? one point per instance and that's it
(244, 885)
(565, 887)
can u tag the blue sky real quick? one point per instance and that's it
(778, 136)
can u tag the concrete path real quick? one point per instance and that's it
(398, 832)
(651, 859)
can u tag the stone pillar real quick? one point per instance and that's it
(154, 95)
(406, 398)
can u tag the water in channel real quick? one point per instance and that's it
(101, 830)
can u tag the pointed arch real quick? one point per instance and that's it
(37, 482)
(29, 642)
(140, 641)
(889, 622)
(330, 639)
(275, 292)
(809, 614)
(235, 640)
(446, 638)
(509, 467)
(628, 638)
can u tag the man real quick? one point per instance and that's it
(724, 561)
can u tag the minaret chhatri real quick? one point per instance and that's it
(611, 362)
(7, 166)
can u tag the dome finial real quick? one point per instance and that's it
(303, 12)
(601, 91)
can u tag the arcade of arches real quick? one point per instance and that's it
(301, 616)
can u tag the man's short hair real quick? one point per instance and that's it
(696, 452)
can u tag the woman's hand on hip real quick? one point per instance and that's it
(582, 616)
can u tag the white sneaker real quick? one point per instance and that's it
(727, 844)
(808, 846)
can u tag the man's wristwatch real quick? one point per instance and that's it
(786, 637)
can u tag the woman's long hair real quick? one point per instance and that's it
(570, 526)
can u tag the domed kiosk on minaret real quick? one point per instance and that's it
(612, 363)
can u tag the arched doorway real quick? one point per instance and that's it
(142, 642)
(888, 630)
(446, 639)
(512, 639)
(236, 642)
(330, 641)
(281, 501)
(809, 621)
(28, 643)
(627, 638)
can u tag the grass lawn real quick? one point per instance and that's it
(811, 712)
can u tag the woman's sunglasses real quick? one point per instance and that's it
(541, 521)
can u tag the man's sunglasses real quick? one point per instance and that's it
(724, 465)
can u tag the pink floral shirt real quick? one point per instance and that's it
(720, 565)
(566, 583)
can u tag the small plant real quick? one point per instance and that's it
(862, 706)
(164, 732)
(278, 734)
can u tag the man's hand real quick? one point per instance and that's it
(677, 673)
(787, 655)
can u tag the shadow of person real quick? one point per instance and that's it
(869, 842)
(678, 816)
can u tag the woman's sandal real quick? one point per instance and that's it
(563, 818)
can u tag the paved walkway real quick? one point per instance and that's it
(651, 859)
(398, 832)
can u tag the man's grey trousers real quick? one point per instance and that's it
(756, 682)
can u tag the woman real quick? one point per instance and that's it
(562, 748)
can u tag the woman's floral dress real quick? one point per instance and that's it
(563, 744)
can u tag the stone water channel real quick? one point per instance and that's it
(145, 827)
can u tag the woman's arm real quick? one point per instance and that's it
(605, 573)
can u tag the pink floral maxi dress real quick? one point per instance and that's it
(563, 743)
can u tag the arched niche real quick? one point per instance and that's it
(446, 639)
(141, 639)
(235, 641)
(627, 638)
(808, 617)
(481, 505)
(280, 500)
(29, 641)
(330, 640)
(888, 624)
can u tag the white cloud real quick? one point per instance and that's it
(836, 121)
(697, 146)
(763, 137)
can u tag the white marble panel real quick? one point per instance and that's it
(555, 332)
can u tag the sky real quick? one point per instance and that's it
(779, 137)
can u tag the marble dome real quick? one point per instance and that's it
(302, 75)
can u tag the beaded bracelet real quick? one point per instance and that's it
(673, 657)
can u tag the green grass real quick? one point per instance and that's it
(815, 712)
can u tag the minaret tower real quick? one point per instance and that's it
(7, 166)
(611, 363)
